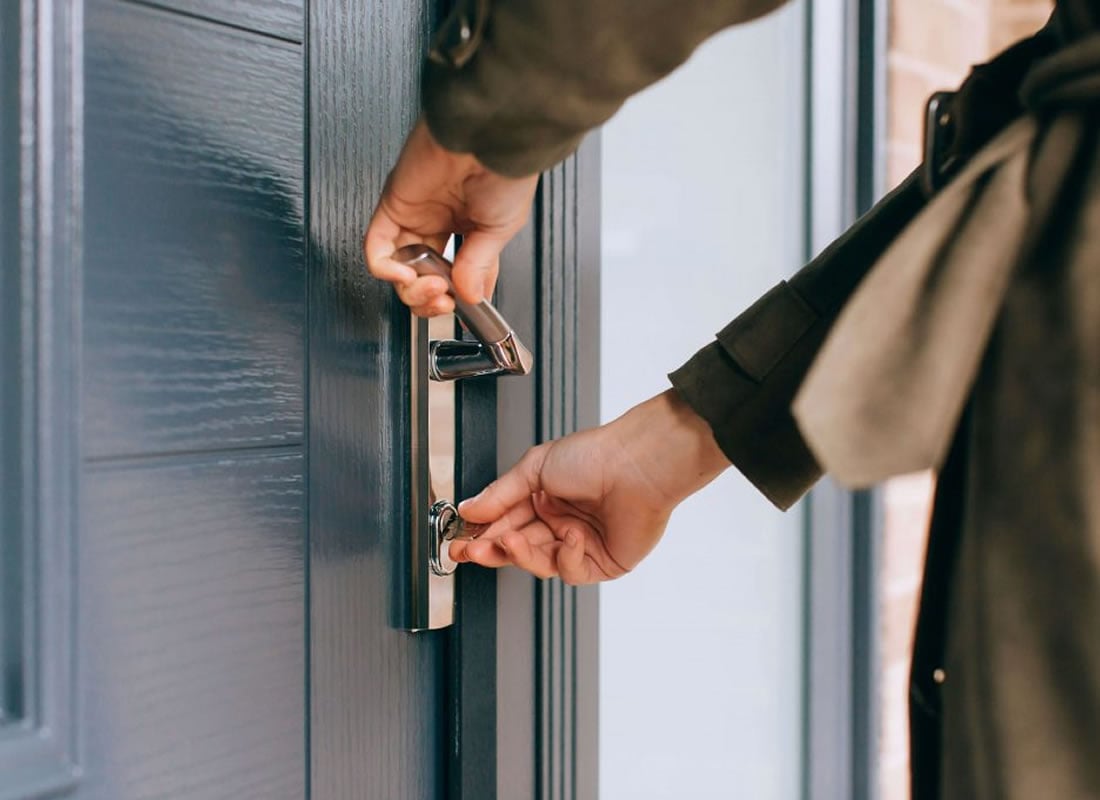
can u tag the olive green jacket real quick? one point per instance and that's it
(1005, 687)
(519, 83)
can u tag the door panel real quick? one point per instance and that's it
(191, 618)
(282, 18)
(194, 278)
(192, 534)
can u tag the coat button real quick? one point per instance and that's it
(938, 675)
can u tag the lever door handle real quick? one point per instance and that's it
(425, 572)
(497, 351)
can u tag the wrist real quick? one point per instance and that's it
(673, 446)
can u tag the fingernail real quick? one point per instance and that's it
(500, 543)
(572, 538)
(473, 499)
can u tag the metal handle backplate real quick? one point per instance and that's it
(436, 360)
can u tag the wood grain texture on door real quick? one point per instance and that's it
(208, 500)
(281, 18)
(192, 614)
(377, 723)
(194, 273)
(191, 575)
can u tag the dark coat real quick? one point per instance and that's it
(1005, 685)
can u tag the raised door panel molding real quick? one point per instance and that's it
(194, 279)
(39, 206)
(192, 614)
(281, 18)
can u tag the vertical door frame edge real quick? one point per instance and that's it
(845, 73)
(568, 259)
(41, 754)
(547, 632)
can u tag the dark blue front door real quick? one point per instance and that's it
(203, 419)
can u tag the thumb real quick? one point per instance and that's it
(476, 265)
(510, 489)
(379, 244)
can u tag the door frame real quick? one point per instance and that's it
(536, 734)
(845, 119)
(40, 309)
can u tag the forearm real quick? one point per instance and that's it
(541, 73)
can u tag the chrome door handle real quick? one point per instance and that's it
(425, 599)
(497, 351)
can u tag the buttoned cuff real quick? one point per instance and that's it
(743, 384)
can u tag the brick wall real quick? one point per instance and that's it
(1011, 20)
(932, 44)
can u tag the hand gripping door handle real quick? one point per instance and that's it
(425, 586)
(497, 350)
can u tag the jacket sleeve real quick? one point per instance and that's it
(744, 382)
(519, 82)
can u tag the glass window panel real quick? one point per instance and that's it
(701, 647)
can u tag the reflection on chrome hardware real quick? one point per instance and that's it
(425, 576)
(497, 351)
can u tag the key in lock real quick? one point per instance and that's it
(446, 526)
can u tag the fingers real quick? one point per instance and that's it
(566, 519)
(570, 559)
(581, 553)
(533, 548)
(476, 267)
(558, 513)
(384, 235)
(519, 538)
(479, 551)
(483, 550)
(540, 561)
(510, 489)
(427, 295)
(477, 264)
(534, 551)
(423, 291)
(435, 308)
(433, 192)
(379, 244)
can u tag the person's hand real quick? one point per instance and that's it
(592, 505)
(431, 194)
